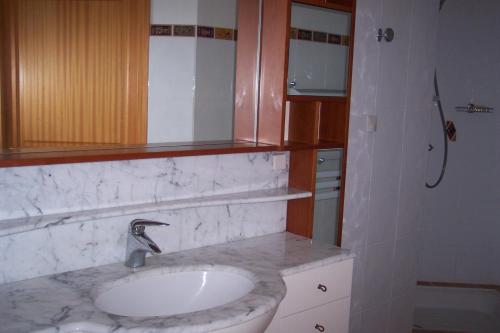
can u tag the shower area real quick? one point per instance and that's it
(459, 258)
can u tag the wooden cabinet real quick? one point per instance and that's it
(317, 300)
(78, 71)
(316, 121)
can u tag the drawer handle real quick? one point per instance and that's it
(319, 327)
(321, 160)
(322, 287)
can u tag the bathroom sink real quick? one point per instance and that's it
(164, 292)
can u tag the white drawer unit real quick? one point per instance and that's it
(329, 318)
(317, 300)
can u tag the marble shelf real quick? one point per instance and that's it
(24, 224)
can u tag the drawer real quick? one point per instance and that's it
(329, 160)
(316, 287)
(329, 318)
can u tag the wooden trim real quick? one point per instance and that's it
(273, 69)
(23, 158)
(340, 223)
(322, 144)
(10, 73)
(342, 5)
(310, 2)
(310, 98)
(302, 175)
(459, 285)
(246, 83)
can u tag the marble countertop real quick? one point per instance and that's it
(63, 302)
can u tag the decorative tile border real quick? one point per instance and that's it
(161, 30)
(318, 36)
(178, 30)
(184, 30)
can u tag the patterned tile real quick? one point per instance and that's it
(224, 33)
(304, 34)
(161, 30)
(319, 36)
(334, 39)
(206, 32)
(345, 40)
(179, 30)
(184, 30)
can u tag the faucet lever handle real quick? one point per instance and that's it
(138, 226)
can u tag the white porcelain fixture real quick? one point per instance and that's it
(164, 293)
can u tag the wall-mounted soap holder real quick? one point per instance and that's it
(474, 108)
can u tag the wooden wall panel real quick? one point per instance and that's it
(274, 60)
(82, 71)
(247, 67)
(300, 213)
(333, 122)
(304, 122)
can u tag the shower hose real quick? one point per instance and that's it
(445, 137)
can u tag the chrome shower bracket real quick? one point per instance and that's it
(387, 34)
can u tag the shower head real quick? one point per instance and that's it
(441, 4)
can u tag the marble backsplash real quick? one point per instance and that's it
(34, 191)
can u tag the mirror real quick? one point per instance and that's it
(319, 51)
(191, 80)
(71, 54)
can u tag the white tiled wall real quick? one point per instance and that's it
(460, 231)
(386, 168)
(191, 80)
(172, 66)
(214, 98)
(217, 13)
(174, 11)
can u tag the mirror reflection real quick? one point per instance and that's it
(110, 73)
(192, 70)
(319, 51)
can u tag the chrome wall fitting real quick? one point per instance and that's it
(387, 34)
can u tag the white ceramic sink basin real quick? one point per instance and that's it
(166, 293)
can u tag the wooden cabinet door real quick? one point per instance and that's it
(81, 71)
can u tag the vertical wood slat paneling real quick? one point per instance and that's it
(82, 71)
(246, 83)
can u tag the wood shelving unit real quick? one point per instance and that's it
(314, 122)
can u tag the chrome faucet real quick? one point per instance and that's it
(138, 243)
